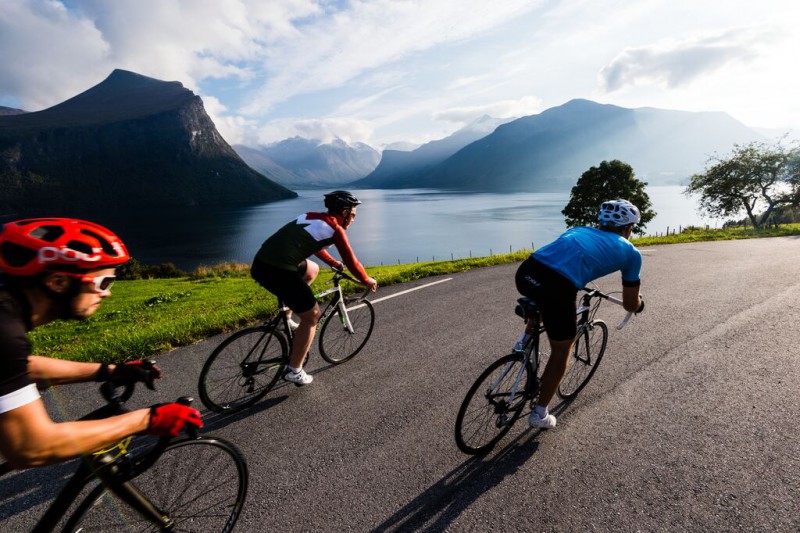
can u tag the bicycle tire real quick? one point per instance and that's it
(485, 415)
(590, 345)
(336, 343)
(226, 386)
(200, 483)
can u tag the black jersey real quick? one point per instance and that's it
(16, 387)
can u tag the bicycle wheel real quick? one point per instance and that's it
(201, 484)
(590, 345)
(336, 343)
(243, 369)
(488, 411)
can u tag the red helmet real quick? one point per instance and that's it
(30, 246)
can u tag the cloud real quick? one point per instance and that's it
(332, 50)
(325, 130)
(676, 63)
(51, 51)
(528, 105)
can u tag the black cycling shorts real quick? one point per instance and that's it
(287, 285)
(554, 294)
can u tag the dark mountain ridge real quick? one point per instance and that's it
(129, 141)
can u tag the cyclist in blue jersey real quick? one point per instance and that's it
(553, 275)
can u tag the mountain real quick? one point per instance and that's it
(10, 111)
(129, 141)
(550, 151)
(303, 163)
(398, 168)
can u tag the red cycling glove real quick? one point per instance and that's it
(169, 419)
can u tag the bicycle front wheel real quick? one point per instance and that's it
(200, 484)
(493, 404)
(337, 343)
(243, 369)
(590, 345)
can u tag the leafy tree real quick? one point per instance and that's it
(755, 176)
(612, 180)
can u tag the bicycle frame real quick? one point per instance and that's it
(584, 312)
(115, 473)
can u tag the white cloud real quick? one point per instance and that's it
(674, 63)
(325, 130)
(369, 34)
(528, 105)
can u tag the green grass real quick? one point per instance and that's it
(148, 317)
(695, 234)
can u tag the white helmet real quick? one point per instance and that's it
(618, 213)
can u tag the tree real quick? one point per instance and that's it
(755, 176)
(612, 180)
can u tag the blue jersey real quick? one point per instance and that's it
(584, 254)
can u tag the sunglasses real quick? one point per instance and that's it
(101, 283)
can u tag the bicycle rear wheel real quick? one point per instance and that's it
(488, 411)
(336, 343)
(243, 369)
(201, 484)
(590, 345)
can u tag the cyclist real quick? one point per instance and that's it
(282, 267)
(60, 268)
(553, 275)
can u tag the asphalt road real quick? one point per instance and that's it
(690, 424)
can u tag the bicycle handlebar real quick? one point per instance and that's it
(595, 292)
(341, 274)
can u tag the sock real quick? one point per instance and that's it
(293, 369)
(540, 411)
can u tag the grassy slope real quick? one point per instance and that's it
(148, 317)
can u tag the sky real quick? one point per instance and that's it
(410, 71)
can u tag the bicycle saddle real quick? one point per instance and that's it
(526, 307)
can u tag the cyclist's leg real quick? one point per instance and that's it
(554, 371)
(309, 271)
(303, 335)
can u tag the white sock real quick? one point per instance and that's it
(293, 369)
(540, 411)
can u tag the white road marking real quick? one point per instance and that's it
(402, 293)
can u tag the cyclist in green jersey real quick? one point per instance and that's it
(282, 267)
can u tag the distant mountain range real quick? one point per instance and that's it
(128, 141)
(304, 163)
(397, 168)
(550, 151)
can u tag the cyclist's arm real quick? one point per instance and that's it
(630, 298)
(349, 258)
(328, 259)
(46, 371)
(29, 438)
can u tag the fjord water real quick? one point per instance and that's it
(391, 226)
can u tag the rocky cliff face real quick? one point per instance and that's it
(129, 141)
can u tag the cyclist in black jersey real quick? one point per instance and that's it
(59, 268)
(282, 267)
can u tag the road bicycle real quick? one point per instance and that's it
(189, 483)
(496, 399)
(248, 364)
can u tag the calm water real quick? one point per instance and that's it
(391, 226)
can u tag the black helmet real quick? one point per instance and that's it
(338, 200)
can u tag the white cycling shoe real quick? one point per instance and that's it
(546, 422)
(299, 378)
